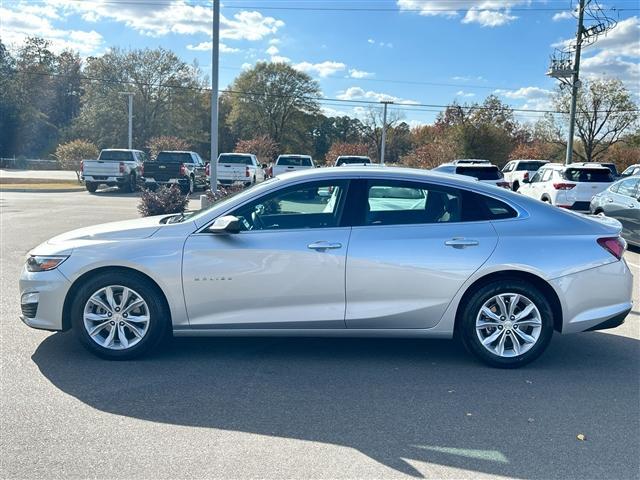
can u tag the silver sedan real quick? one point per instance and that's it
(338, 252)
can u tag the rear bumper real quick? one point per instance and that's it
(104, 179)
(595, 299)
(170, 181)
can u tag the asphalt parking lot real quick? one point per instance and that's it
(300, 408)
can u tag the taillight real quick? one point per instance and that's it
(503, 184)
(563, 186)
(526, 175)
(183, 170)
(246, 172)
(614, 245)
(207, 169)
(121, 167)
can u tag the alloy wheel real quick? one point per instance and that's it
(116, 317)
(508, 325)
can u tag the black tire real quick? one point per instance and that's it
(91, 187)
(466, 327)
(515, 186)
(159, 316)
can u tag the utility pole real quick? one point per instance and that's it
(575, 84)
(130, 95)
(215, 42)
(383, 145)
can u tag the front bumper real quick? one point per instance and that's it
(43, 309)
(595, 299)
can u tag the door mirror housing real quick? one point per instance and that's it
(226, 224)
(526, 180)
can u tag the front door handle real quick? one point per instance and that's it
(322, 246)
(461, 243)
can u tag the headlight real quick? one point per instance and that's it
(37, 263)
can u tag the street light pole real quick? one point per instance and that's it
(384, 130)
(215, 42)
(575, 84)
(130, 95)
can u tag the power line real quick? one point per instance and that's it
(318, 99)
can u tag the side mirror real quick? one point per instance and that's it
(226, 224)
(526, 180)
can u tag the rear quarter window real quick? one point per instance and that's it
(478, 207)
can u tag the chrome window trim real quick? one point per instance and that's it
(521, 212)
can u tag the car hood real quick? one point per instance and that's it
(125, 230)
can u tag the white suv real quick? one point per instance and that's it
(517, 170)
(568, 186)
(291, 163)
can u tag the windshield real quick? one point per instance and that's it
(531, 166)
(481, 173)
(116, 155)
(588, 175)
(350, 160)
(169, 157)
(293, 161)
(237, 159)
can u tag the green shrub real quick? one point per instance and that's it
(162, 201)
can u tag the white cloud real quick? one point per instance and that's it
(562, 16)
(606, 64)
(206, 46)
(534, 98)
(371, 41)
(280, 59)
(26, 20)
(275, 41)
(246, 66)
(323, 69)
(357, 93)
(272, 50)
(462, 93)
(488, 18)
(355, 73)
(487, 13)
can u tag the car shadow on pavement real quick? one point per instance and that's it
(400, 402)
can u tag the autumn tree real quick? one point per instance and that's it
(156, 145)
(70, 155)
(262, 147)
(271, 99)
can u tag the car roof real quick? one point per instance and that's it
(120, 150)
(238, 153)
(561, 166)
(176, 151)
(528, 160)
(294, 155)
(468, 165)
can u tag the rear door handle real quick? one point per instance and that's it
(322, 245)
(461, 243)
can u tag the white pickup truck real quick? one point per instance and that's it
(291, 163)
(517, 171)
(114, 167)
(239, 168)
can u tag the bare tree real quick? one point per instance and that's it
(373, 126)
(606, 111)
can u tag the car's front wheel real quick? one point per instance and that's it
(119, 316)
(506, 324)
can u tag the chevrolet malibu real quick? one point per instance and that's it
(338, 252)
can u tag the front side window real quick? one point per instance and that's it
(394, 202)
(508, 167)
(546, 176)
(308, 205)
(628, 187)
(537, 176)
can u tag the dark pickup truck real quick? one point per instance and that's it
(182, 168)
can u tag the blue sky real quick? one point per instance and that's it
(410, 51)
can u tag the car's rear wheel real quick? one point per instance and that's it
(91, 187)
(506, 324)
(119, 316)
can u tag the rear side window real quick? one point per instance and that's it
(481, 173)
(237, 159)
(394, 202)
(593, 175)
(628, 187)
(292, 161)
(531, 166)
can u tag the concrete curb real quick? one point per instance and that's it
(41, 190)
